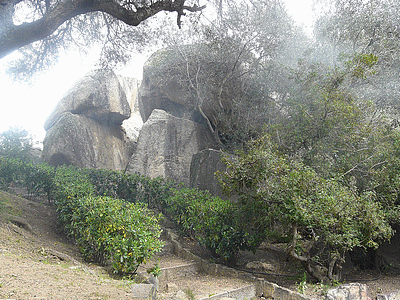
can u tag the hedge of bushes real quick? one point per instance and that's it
(107, 229)
(214, 222)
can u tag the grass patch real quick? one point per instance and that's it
(189, 293)
(4, 199)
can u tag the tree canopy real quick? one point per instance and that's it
(41, 28)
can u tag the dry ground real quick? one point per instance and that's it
(38, 262)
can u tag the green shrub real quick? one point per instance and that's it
(39, 179)
(320, 219)
(70, 184)
(11, 171)
(156, 191)
(111, 229)
(133, 188)
(105, 182)
(106, 229)
(214, 222)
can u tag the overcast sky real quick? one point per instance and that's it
(29, 106)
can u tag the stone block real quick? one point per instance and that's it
(282, 293)
(350, 291)
(166, 145)
(247, 292)
(391, 296)
(268, 289)
(143, 291)
(180, 295)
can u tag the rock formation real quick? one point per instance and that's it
(98, 96)
(202, 171)
(166, 145)
(350, 291)
(163, 88)
(80, 141)
(85, 127)
(98, 124)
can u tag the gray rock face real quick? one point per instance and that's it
(391, 296)
(85, 128)
(202, 171)
(159, 90)
(166, 145)
(85, 142)
(351, 291)
(98, 95)
(143, 291)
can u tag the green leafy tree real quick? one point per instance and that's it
(16, 143)
(357, 26)
(319, 219)
(339, 135)
(236, 70)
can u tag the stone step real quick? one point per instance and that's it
(186, 276)
(173, 274)
(204, 286)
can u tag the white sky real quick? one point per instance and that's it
(29, 106)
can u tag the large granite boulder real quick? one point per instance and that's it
(85, 142)
(202, 171)
(85, 127)
(165, 87)
(166, 145)
(99, 95)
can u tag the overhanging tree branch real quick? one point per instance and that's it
(13, 37)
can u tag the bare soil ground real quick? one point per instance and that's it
(38, 262)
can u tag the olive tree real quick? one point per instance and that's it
(40, 29)
(340, 136)
(320, 219)
(360, 27)
(16, 143)
(324, 179)
(236, 71)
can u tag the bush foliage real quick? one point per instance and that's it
(214, 222)
(281, 195)
(107, 229)
(111, 229)
(320, 219)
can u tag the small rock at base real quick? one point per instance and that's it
(143, 291)
(181, 295)
(350, 291)
(171, 287)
